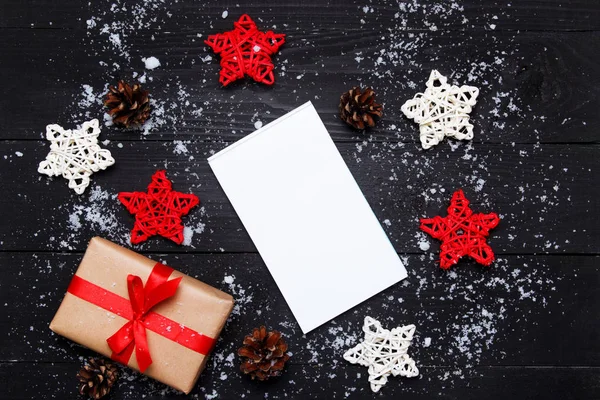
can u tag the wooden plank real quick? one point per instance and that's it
(535, 87)
(538, 191)
(57, 381)
(523, 311)
(334, 14)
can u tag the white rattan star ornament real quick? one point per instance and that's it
(442, 110)
(384, 352)
(75, 154)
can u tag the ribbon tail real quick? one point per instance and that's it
(142, 352)
(124, 356)
(162, 292)
(121, 343)
(122, 338)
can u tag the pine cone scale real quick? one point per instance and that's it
(276, 354)
(272, 339)
(265, 366)
(250, 341)
(128, 90)
(280, 363)
(246, 352)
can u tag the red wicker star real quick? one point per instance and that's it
(159, 211)
(462, 233)
(246, 51)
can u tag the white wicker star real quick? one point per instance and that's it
(75, 154)
(442, 110)
(384, 352)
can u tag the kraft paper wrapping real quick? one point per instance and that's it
(195, 304)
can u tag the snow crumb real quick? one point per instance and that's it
(187, 236)
(74, 222)
(115, 39)
(424, 245)
(180, 147)
(151, 62)
(258, 124)
(479, 185)
(211, 396)
(225, 14)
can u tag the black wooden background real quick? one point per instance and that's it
(527, 327)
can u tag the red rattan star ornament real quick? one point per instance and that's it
(159, 211)
(462, 233)
(246, 51)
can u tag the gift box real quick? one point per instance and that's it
(143, 314)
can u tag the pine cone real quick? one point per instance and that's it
(127, 105)
(97, 377)
(358, 108)
(263, 354)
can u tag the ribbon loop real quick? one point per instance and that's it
(162, 292)
(135, 287)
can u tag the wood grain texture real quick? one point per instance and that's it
(535, 87)
(493, 383)
(521, 336)
(430, 299)
(537, 190)
(541, 15)
(527, 327)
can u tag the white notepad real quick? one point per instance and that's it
(307, 217)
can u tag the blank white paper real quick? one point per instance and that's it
(307, 217)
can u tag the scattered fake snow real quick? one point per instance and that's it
(97, 212)
(470, 332)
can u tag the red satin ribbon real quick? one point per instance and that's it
(132, 335)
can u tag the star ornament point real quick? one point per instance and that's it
(75, 154)
(245, 50)
(442, 110)
(159, 210)
(384, 352)
(462, 232)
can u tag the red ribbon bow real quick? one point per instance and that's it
(132, 335)
(137, 310)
